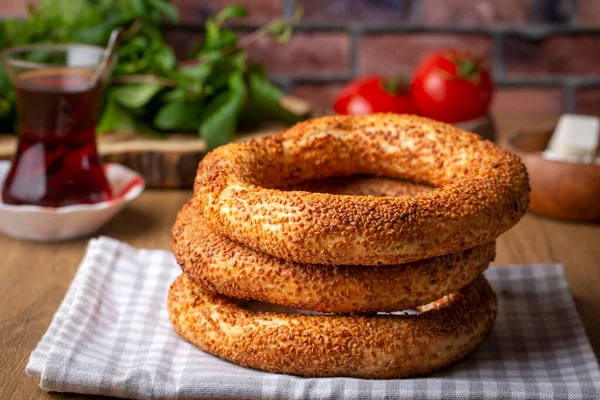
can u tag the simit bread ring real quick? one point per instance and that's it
(482, 191)
(381, 346)
(222, 266)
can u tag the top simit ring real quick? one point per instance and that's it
(482, 191)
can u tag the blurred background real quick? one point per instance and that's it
(544, 54)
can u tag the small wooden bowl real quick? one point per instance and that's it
(563, 190)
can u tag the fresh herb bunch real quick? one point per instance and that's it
(212, 92)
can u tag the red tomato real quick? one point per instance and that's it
(373, 94)
(451, 86)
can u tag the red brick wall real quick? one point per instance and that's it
(543, 52)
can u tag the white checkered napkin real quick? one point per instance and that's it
(111, 336)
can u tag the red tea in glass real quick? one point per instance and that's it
(56, 163)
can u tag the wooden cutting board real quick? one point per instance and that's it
(172, 163)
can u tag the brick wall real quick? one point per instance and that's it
(543, 52)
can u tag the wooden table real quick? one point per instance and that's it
(34, 277)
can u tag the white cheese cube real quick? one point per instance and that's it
(575, 136)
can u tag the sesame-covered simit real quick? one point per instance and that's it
(378, 346)
(292, 220)
(482, 191)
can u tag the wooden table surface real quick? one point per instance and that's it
(34, 276)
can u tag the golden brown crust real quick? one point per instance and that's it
(382, 346)
(222, 266)
(482, 191)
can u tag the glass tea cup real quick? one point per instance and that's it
(58, 90)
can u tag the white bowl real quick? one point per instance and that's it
(53, 224)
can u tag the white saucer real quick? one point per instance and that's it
(47, 224)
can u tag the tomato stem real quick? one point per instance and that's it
(467, 68)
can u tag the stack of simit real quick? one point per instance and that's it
(265, 224)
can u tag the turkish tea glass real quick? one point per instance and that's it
(58, 91)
